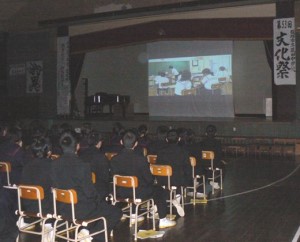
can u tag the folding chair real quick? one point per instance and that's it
(166, 171)
(110, 155)
(131, 182)
(151, 159)
(216, 171)
(63, 226)
(5, 167)
(35, 194)
(196, 183)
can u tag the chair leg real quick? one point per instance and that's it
(136, 221)
(213, 180)
(221, 178)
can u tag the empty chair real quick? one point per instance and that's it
(216, 171)
(37, 218)
(131, 182)
(64, 227)
(197, 181)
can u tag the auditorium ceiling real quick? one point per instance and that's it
(32, 15)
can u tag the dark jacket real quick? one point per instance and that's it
(178, 158)
(14, 154)
(131, 163)
(37, 172)
(69, 172)
(100, 166)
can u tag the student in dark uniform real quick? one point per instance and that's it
(70, 172)
(98, 162)
(36, 172)
(11, 150)
(160, 143)
(131, 163)
(177, 157)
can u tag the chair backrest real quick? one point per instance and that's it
(193, 161)
(193, 164)
(151, 159)
(94, 178)
(110, 155)
(64, 196)
(125, 182)
(6, 167)
(162, 170)
(209, 155)
(30, 193)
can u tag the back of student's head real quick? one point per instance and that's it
(94, 137)
(65, 127)
(161, 132)
(129, 139)
(142, 130)
(41, 147)
(15, 135)
(86, 129)
(211, 130)
(189, 136)
(206, 71)
(67, 142)
(172, 136)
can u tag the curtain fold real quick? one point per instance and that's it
(76, 62)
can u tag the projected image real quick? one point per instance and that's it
(198, 75)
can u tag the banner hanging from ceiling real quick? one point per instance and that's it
(284, 51)
(63, 76)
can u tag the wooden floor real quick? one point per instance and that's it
(260, 202)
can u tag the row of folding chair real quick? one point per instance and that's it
(199, 180)
(63, 228)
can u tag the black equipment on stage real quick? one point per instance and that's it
(94, 105)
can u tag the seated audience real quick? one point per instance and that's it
(36, 172)
(130, 163)
(160, 143)
(178, 158)
(98, 162)
(114, 144)
(143, 140)
(70, 172)
(11, 150)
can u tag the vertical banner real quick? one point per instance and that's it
(284, 51)
(63, 77)
(34, 77)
